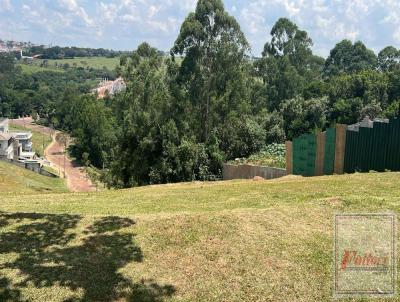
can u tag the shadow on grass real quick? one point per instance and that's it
(48, 256)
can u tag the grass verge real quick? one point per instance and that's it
(15, 181)
(223, 241)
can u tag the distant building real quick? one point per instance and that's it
(112, 87)
(15, 145)
(6, 145)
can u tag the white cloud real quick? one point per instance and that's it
(73, 7)
(124, 23)
(5, 5)
(108, 11)
(153, 10)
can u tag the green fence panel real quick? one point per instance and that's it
(350, 159)
(380, 146)
(330, 144)
(304, 154)
(391, 145)
(364, 136)
(376, 148)
(393, 150)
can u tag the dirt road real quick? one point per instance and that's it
(77, 180)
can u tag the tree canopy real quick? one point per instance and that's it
(183, 115)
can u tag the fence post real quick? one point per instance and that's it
(340, 148)
(289, 157)
(320, 156)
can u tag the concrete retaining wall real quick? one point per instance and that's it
(48, 174)
(13, 162)
(249, 172)
(34, 167)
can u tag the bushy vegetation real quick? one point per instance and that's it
(273, 155)
(180, 118)
(40, 92)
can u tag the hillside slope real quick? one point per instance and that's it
(224, 241)
(16, 181)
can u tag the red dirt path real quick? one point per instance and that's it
(77, 180)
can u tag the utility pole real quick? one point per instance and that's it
(63, 139)
(64, 160)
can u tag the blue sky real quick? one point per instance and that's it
(123, 24)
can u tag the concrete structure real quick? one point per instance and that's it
(366, 123)
(16, 148)
(25, 139)
(112, 87)
(15, 144)
(6, 145)
(33, 166)
(250, 171)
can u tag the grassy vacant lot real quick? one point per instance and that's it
(225, 241)
(15, 180)
(94, 62)
(30, 69)
(53, 65)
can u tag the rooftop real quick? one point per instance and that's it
(5, 136)
(21, 134)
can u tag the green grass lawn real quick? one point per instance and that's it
(54, 65)
(222, 241)
(39, 141)
(94, 62)
(15, 180)
(30, 69)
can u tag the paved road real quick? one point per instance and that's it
(77, 180)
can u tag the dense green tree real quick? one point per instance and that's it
(213, 66)
(393, 110)
(287, 63)
(370, 86)
(92, 128)
(347, 57)
(389, 59)
(291, 42)
(393, 86)
(347, 111)
(243, 136)
(303, 116)
(182, 116)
